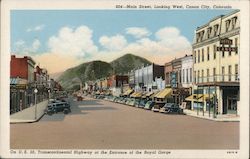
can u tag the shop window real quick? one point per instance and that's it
(236, 45)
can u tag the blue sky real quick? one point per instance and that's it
(32, 30)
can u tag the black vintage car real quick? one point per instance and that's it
(171, 108)
(58, 107)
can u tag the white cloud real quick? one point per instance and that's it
(171, 38)
(76, 42)
(113, 43)
(138, 32)
(22, 48)
(168, 44)
(36, 28)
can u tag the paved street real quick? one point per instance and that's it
(99, 124)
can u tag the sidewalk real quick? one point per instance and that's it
(223, 118)
(28, 115)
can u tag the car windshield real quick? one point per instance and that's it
(169, 105)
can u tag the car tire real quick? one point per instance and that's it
(65, 111)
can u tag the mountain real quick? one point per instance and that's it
(98, 69)
(127, 63)
(84, 72)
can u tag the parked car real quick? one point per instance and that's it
(171, 108)
(58, 107)
(149, 105)
(142, 103)
(157, 107)
(131, 102)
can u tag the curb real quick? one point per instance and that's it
(212, 119)
(29, 121)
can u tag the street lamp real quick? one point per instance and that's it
(49, 93)
(35, 91)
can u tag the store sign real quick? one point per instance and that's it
(226, 41)
(227, 49)
(173, 79)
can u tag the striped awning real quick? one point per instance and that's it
(128, 92)
(199, 97)
(15, 81)
(138, 95)
(133, 94)
(149, 94)
(164, 93)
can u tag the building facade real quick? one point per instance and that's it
(216, 65)
(187, 71)
(21, 80)
(145, 77)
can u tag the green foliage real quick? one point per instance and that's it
(98, 69)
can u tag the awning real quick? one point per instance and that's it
(133, 94)
(154, 94)
(164, 93)
(97, 92)
(138, 95)
(16, 81)
(149, 94)
(198, 97)
(128, 92)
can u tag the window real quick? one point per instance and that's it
(202, 35)
(227, 25)
(236, 72)
(208, 53)
(216, 28)
(214, 74)
(207, 75)
(209, 30)
(229, 72)
(197, 37)
(186, 75)
(222, 73)
(223, 53)
(198, 56)
(194, 56)
(236, 45)
(234, 20)
(214, 51)
(190, 73)
(183, 76)
(198, 77)
(202, 75)
(194, 76)
(202, 51)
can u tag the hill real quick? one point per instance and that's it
(128, 62)
(98, 69)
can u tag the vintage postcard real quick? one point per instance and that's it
(124, 79)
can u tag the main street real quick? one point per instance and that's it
(100, 124)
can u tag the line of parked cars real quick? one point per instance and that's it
(57, 105)
(144, 103)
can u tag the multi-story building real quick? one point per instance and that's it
(145, 77)
(187, 71)
(115, 84)
(21, 79)
(216, 65)
(167, 70)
